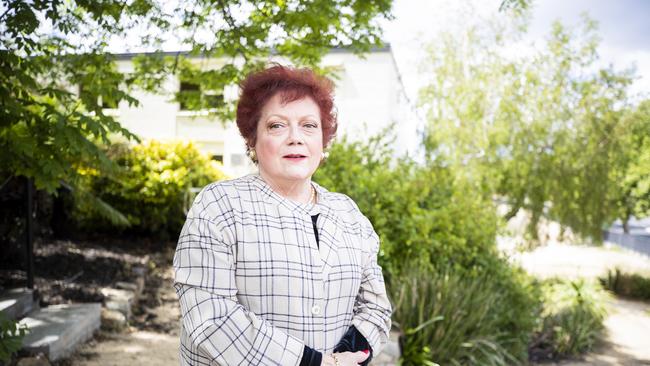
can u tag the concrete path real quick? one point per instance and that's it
(573, 261)
(628, 323)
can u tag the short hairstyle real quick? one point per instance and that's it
(293, 84)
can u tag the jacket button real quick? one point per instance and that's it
(315, 310)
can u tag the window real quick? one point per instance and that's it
(189, 96)
(213, 100)
(192, 98)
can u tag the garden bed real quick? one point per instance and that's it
(68, 272)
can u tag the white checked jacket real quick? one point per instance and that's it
(254, 287)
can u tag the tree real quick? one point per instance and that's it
(50, 131)
(544, 131)
(633, 197)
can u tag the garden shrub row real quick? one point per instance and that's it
(630, 285)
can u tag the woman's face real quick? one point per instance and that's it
(289, 142)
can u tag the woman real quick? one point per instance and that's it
(271, 268)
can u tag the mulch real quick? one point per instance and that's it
(76, 271)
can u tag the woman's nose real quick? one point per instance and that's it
(295, 135)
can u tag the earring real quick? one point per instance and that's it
(324, 155)
(253, 155)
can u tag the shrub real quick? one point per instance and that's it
(11, 337)
(149, 190)
(633, 285)
(571, 321)
(455, 319)
(424, 215)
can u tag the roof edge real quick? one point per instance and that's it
(130, 55)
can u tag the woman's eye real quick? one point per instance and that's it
(275, 125)
(311, 125)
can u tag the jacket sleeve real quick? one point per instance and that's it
(217, 328)
(372, 309)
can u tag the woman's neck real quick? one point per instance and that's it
(295, 190)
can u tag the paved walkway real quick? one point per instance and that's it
(628, 323)
(572, 261)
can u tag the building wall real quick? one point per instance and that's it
(368, 98)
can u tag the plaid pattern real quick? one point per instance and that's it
(254, 287)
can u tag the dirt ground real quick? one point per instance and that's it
(75, 271)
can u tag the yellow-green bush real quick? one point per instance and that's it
(150, 188)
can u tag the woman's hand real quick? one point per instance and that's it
(344, 359)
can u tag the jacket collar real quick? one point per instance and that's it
(271, 196)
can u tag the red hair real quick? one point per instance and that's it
(293, 84)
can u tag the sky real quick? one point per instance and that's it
(623, 25)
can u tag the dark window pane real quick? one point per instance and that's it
(214, 100)
(189, 96)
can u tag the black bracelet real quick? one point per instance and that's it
(311, 357)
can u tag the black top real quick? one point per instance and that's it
(314, 219)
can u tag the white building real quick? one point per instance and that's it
(369, 96)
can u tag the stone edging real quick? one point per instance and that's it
(119, 301)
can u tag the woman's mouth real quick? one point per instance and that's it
(295, 157)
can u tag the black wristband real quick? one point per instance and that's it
(311, 357)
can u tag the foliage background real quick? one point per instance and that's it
(543, 129)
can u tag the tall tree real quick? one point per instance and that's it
(544, 129)
(50, 129)
(633, 194)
